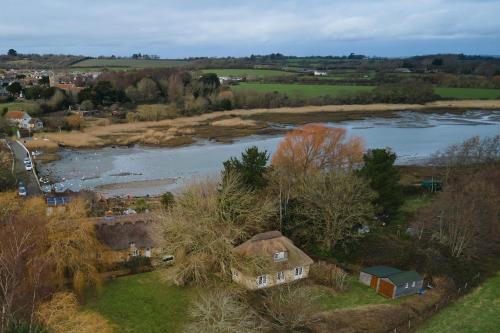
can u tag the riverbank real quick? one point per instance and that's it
(224, 126)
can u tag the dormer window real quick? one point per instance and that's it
(280, 256)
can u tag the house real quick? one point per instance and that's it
(126, 236)
(320, 73)
(282, 261)
(17, 117)
(23, 120)
(400, 284)
(371, 276)
(35, 124)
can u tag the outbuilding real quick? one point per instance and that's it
(400, 284)
(371, 276)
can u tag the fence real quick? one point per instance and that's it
(412, 323)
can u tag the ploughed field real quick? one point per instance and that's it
(316, 90)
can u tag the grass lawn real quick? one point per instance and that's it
(134, 63)
(143, 303)
(478, 312)
(18, 106)
(314, 90)
(303, 90)
(247, 72)
(356, 295)
(468, 93)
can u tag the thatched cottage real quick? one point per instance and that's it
(126, 236)
(283, 262)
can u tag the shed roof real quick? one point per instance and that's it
(404, 277)
(381, 271)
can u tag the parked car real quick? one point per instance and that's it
(22, 190)
(28, 166)
(26, 161)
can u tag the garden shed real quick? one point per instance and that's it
(371, 275)
(400, 284)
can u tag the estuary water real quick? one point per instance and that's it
(140, 171)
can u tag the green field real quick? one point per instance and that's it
(478, 312)
(314, 90)
(131, 63)
(247, 72)
(143, 303)
(468, 93)
(302, 90)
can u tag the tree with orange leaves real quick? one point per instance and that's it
(316, 147)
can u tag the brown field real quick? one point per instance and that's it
(225, 125)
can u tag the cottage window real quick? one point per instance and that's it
(280, 277)
(262, 280)
(406, 285)
(135, 252)
(279, 256)
(298, 271)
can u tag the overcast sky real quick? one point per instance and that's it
(186, 28)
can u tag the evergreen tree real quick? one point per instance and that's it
(384, 178)
(251, 168)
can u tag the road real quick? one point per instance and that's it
(20, 171)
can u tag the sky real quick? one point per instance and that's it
(194, 28)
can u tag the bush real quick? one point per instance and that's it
(137, 264)
(167, 200)
(329, 275)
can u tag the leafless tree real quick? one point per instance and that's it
(220, 311)
(334, 205)
(290, 307)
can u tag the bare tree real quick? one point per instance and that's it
(464, 217)
(220, 311)
(290, 307)
(62, 314)
(330, 208)
(205, 223)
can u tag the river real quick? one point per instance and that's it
(139, 171)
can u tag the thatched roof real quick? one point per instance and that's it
(266, 244)
(119, 233)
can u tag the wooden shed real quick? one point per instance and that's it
(372, 275)
(400, 284)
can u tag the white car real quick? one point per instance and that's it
(28, 167)
(26, 161)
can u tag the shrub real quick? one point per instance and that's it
(329, 275)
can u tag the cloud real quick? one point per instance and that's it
(167, 27)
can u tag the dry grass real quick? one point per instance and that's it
(235, 122)
(166, 132)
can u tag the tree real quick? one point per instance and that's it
(73, 246)
(12, 53)
(464, 217)
(314, 148)
(205, 223)
(329, 209)
(219, 311)
(62, 314)
(14, 88)
(207, 84)
(148, 90)
(251, 169)
(383, 178)
(22, 262)
(291, 307)
(34, 92)
(167, 200)
(87, 105)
